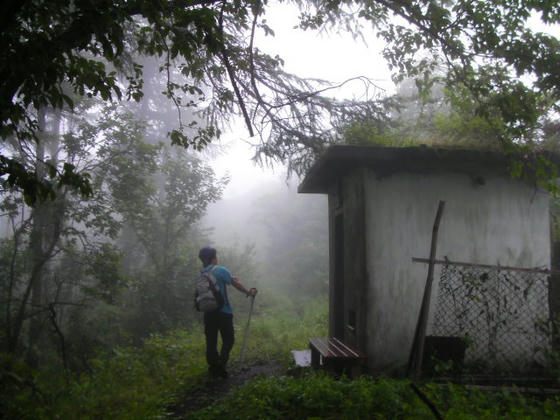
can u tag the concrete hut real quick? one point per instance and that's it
(382, 203)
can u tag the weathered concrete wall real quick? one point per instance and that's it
(494, 221)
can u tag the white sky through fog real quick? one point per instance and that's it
(333, 57)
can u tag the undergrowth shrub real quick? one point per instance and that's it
(125, 383)
(141, 382)
(318, 396)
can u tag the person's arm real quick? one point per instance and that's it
(241, 288)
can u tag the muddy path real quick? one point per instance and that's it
(218, 388)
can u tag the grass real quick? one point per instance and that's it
(141, 383)
(127, 383)
(277, 329)
(318, 396)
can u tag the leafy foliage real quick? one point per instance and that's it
(130, 383)
(141, 382)
(450, 118)
(322, 397)
(207, 52)
(71, 284)
(55, 50)
(500, 92)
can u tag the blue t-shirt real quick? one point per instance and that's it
(223, 278)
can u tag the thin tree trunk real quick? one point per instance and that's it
(46, 229)
(37, 241)
(12, 275)
(46, 222)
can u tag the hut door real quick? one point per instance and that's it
(338, 301)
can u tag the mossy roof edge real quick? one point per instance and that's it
(341, 159)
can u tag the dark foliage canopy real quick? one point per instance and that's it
(55, 50)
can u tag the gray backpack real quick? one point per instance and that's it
(207, 296)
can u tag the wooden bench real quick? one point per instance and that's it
(335, 356)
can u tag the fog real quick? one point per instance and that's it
(137, 133)
(123, 261)
(280, 225)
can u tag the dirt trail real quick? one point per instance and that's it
(217, 388)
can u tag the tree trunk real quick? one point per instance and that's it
(38, 233)
(46, 222)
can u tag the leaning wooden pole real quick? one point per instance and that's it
(242, 355)
(427, 401)
(417, 351)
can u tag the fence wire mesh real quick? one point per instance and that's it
(503, 315)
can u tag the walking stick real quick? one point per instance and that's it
(242, 356)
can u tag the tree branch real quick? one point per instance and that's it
(231, 74)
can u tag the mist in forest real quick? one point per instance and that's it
(286, 234)
(82, 275)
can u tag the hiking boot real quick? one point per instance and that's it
(222, 372)
(217, 371)
(214, 371)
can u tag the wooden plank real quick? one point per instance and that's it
(337, 348)
(334, 349)
(323, 346)
(319, 344)
(315, 358)
(336, 356)
(349, 350)
(343, 349)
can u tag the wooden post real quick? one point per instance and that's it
(554, 296)
(242, 355)
(417, 351)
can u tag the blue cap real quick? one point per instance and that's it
(206, 254)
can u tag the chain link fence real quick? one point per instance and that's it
(501, 313)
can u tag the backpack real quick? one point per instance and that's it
(207, 296)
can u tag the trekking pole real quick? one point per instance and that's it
(242, 355)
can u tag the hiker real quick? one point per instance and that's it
(222, 319)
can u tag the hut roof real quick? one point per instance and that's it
(341, 159)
